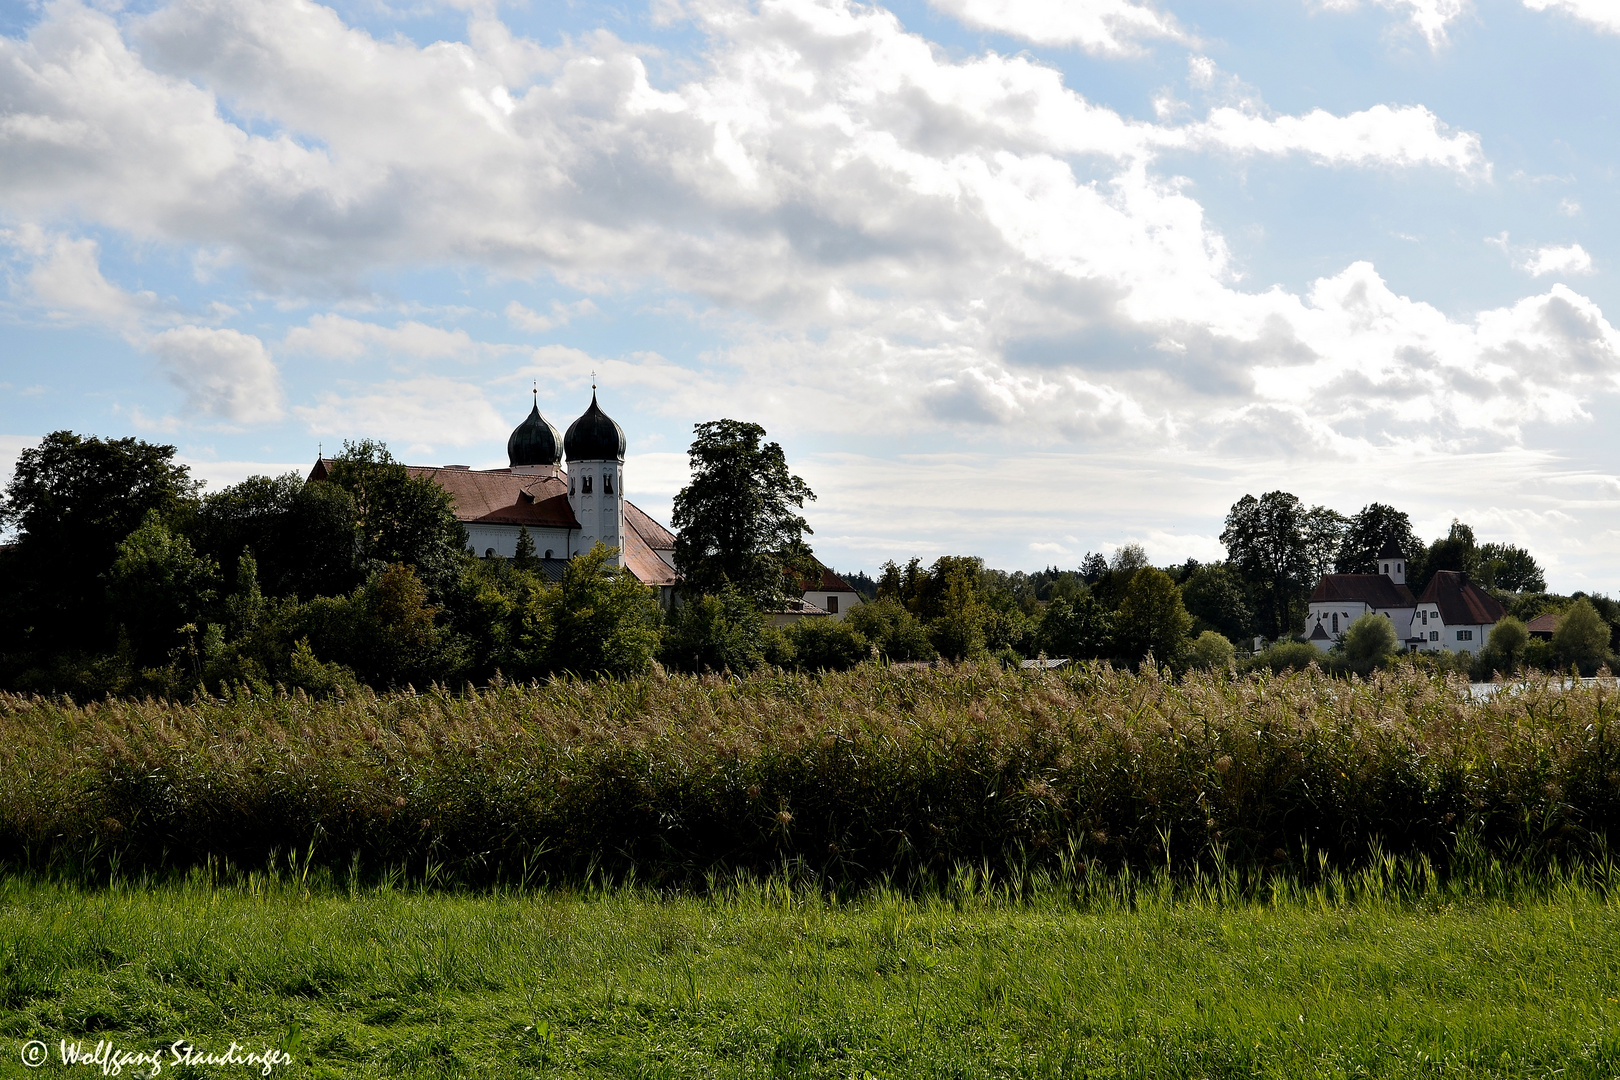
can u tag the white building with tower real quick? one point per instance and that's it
(1453, 613)
(568, 492)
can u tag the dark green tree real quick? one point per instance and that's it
(159, 590)
(1078, 629)
(1368, 532)
(1506, 566)
(738, 522)
(1582, 638)
(1369, 642)
(525, 558)
(1151, 619)
(896, 633)
(1217, 600)
(400, 518)
(821, 644)
(1457, 551)
(603, 621)
(303, 536)
(72, 499)
(721, 631)
(1266, 543)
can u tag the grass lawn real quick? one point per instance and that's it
(760, 980)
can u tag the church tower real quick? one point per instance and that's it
(595, 448)
(534, 447)
(1391, 563)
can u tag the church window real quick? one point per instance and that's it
(1335, 623)
(548, 553)
(607, 483)
(587, 488)
(1386, 568)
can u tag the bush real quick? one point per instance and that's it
(1210, 652)
(895, 632)
(724, 632)
(1582, 639)
(824, 644)
(1369, 642)
(1504, 651)
(1285, 656)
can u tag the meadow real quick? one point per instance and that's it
(1377, 974)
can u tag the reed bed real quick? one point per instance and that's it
(872, 775)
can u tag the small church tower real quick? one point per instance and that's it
(1391, 563)
(534, 445)
(595, 449)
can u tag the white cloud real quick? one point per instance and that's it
(1396, 137)
(1099, 26)
(343, 338)
(65, 279)
(1569, 259)
(422, 414)
(561, 315)
(1428, 17)
(1603, 14)
(223, 373)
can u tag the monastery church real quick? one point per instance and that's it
(567, 510)
(1453, 613)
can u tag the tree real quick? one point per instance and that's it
(1504, 650)
(1456, 552)
(400, 518)
(721, 631)
(821, 644)
(1265, 541)
(1210, 652)
(1506, 566)
(1151, 619)
(738, 521)
(158, 587)
(1323, 531)
(524, 558)
(1216, 599)
(1369, 642)
(1366, 534)
(1582, 638)
(895, 632)
(1078, 629)
(302, 536)
(72, 500)
(604, 621)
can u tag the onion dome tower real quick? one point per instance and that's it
(534, 444)
(595, 448)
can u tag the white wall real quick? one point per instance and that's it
(822, 599)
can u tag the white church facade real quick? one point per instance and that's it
(1453, 613)
(568, 492)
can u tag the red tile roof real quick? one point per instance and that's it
(1545, 623)
(503, 497)
(830, 582)
(1374, 590)
(1461, 602)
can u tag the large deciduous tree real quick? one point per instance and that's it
(1368, 532)
(1507, 566)
(738, 522)
(400, 518)
(72, 499)
(1266, 542)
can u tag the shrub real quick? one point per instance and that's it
(1505, 649)
(1582, 639)
(891, 629)
(1210, 652)
(1285, 656)
(824, 644)
(1369, 642)
(724, 632)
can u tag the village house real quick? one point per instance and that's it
(1453, 613)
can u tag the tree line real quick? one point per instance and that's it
(126, 578)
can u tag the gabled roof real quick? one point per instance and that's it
(1374, 590)
(656, 536)
(1545, 623)
(1390, 550)
(641, 556)
(1461, 602)
(830, 582)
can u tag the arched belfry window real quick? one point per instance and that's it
(587, 488)
(607, 483)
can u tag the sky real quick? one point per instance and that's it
(1015, 278)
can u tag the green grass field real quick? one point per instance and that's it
(1358, 977)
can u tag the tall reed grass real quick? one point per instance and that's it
(875, 774)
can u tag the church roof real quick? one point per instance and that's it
(1374, 590)
(1390, 550)
(594, 436)
(1461, 602)
(534, 442)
